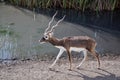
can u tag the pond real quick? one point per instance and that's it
(21, 29)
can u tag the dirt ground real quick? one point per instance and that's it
(39, 70)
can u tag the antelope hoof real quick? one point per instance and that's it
(51, 69)
(98, 68)
(78, 67)
(70, 69)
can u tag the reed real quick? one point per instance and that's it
(96, 5)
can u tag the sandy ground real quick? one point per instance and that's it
(39, 70)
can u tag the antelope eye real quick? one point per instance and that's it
(46, 37)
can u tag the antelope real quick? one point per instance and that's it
(68, 44)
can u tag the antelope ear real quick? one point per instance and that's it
(51, 34)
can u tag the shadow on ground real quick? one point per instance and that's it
(107, 76)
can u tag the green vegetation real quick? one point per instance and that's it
(96, 5)
(8, 31)
(4, 30)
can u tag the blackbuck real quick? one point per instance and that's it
(68, 44)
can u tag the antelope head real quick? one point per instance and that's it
(48, 33)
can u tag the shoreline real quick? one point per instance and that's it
(12, 62)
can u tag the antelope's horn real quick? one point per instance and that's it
(46, 30)
(57, 24)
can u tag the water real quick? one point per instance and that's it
(24, 28)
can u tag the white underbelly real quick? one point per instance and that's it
(71, 49)
(76, 49)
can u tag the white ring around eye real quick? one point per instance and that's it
(46, 37)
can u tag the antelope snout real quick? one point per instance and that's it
(42, 40)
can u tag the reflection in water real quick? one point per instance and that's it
(8, 47)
